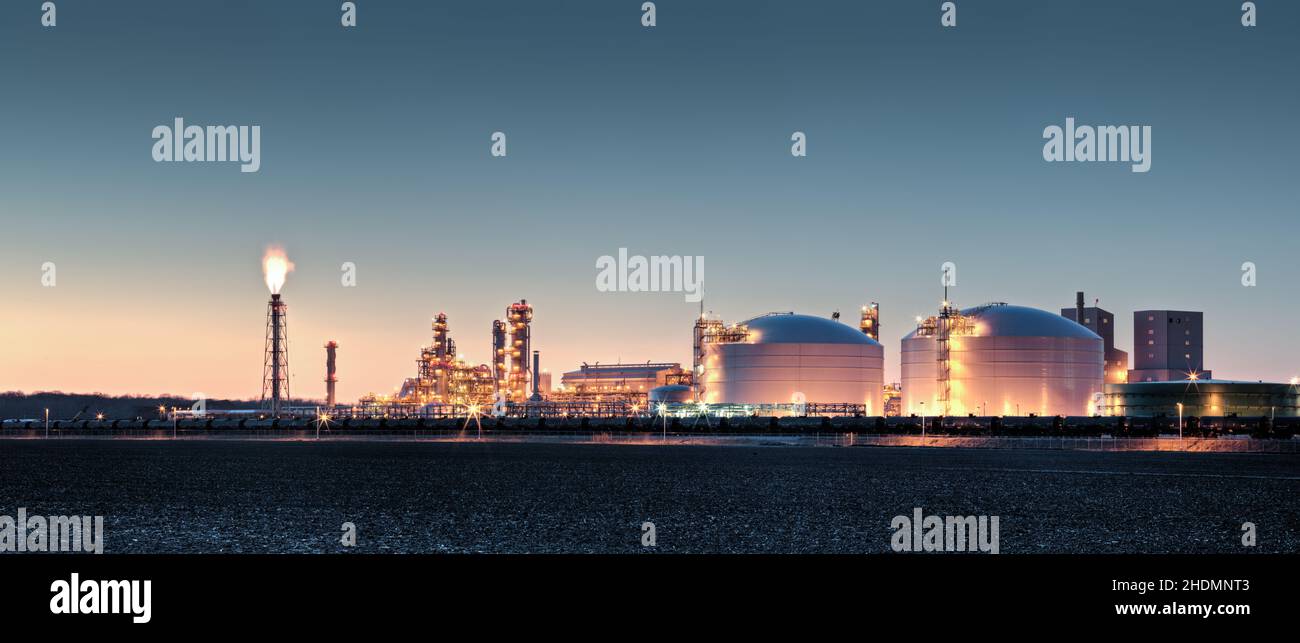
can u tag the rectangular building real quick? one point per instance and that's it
(1168, 345)
(620, 378)
(1103, 323)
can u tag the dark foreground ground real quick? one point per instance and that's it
(236, 496)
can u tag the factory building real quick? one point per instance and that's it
(1203, 398)
(602, 379)
(784, 358)
(1101, 322)
(999, 359)
(1168, 345)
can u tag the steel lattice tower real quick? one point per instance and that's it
(947, 315)
(275, 369)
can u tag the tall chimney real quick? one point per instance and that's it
(331, 373)
(1078, 308)
(537, 374)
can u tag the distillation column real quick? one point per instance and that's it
(519, 316)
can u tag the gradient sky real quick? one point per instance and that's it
(924, 147)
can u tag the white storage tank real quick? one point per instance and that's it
(787, 358)
(670, 393)
(1009, 360)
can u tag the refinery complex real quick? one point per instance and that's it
(993, 359)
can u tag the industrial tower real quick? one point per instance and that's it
(870, 324)
(704, 327)
(331, 373)
(520, 317)
(943, 334)
(537, 375)
(500, 374)
(942, 327)
(275, 369)
(435, 363)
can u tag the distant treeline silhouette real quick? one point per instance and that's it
(65, 406)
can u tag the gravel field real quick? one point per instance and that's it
(237, 496)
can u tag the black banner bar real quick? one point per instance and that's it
(360, 590)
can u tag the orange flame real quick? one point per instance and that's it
(276, 266)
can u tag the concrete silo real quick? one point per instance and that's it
(1001, 360)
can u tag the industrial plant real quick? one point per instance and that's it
(993, 369)
(443, 380)
(990, 360)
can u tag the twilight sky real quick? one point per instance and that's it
(925, 146)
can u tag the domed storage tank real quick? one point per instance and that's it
(784, 355)
(1009, 360)
(670, 393)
